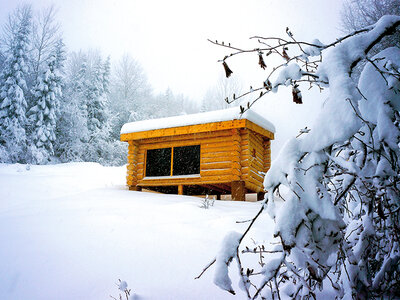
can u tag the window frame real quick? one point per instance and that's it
(172, 164)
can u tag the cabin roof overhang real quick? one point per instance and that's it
(198, 123)
(197, 128)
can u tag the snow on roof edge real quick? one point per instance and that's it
(195, 119)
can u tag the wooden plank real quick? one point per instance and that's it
(131, 167)
(259, 156)
(217, 143)
(186, 181)
(259, 129)
(208, 127)
(205, 160)
(256, 176)
(245, 163)
(230, 154)
(256, 143)
(218, 172)
(267, 155)
(255, 181)
(217, 165)
(253, 187)
(226, 148)
(237, 158)
(226, 134)
(256, 164)
(200, 142)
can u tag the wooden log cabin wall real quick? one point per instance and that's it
(218, 157)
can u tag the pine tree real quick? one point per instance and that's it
(43, 115)
(72, 133)
(13, 92)
(97, 110)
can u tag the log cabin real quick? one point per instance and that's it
(218, 152)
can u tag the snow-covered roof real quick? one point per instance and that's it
(195, 119)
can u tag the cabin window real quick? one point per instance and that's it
(186, 160)
(158, 162)
(173, 161)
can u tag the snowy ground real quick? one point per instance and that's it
(70, 231)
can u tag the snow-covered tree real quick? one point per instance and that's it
(43, 115)
(129, 93)
(72, 131)
(13, 91)
(97, 109)
(45, 37)
(338, 227)
(215, 96)
(84, 127)
(357, 14)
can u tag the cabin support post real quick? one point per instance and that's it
(238, 191)
(180, 189)
(135, 188)
(260, 196)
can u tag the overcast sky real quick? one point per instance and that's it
(169, 39)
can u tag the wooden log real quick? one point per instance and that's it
(259, 129)
(253, 187)
(171, 180)
(218, 165)
(193, 142)
(230, 154)
(267, 155)
(205, 160)
(226, 148)
(218, 172)
(211, 138)
(237, 158)
(135, 188)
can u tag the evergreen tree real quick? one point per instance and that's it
(13, 91)
(43, 115)
(97, 112)
(72, 133)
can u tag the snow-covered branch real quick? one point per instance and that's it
(340, 218)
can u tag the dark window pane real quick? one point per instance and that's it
(158, 162)
(186, 160)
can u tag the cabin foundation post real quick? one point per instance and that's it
(260, 196)
(180, 189)
(135, 188)
(238, 191)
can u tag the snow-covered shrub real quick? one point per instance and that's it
(339, 225)
(124, 292)
(207, 202)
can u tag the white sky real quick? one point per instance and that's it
(169, 39)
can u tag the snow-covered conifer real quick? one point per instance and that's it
(13, 91)
(72, 133)
(43, 115)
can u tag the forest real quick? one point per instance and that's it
(61, 106)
